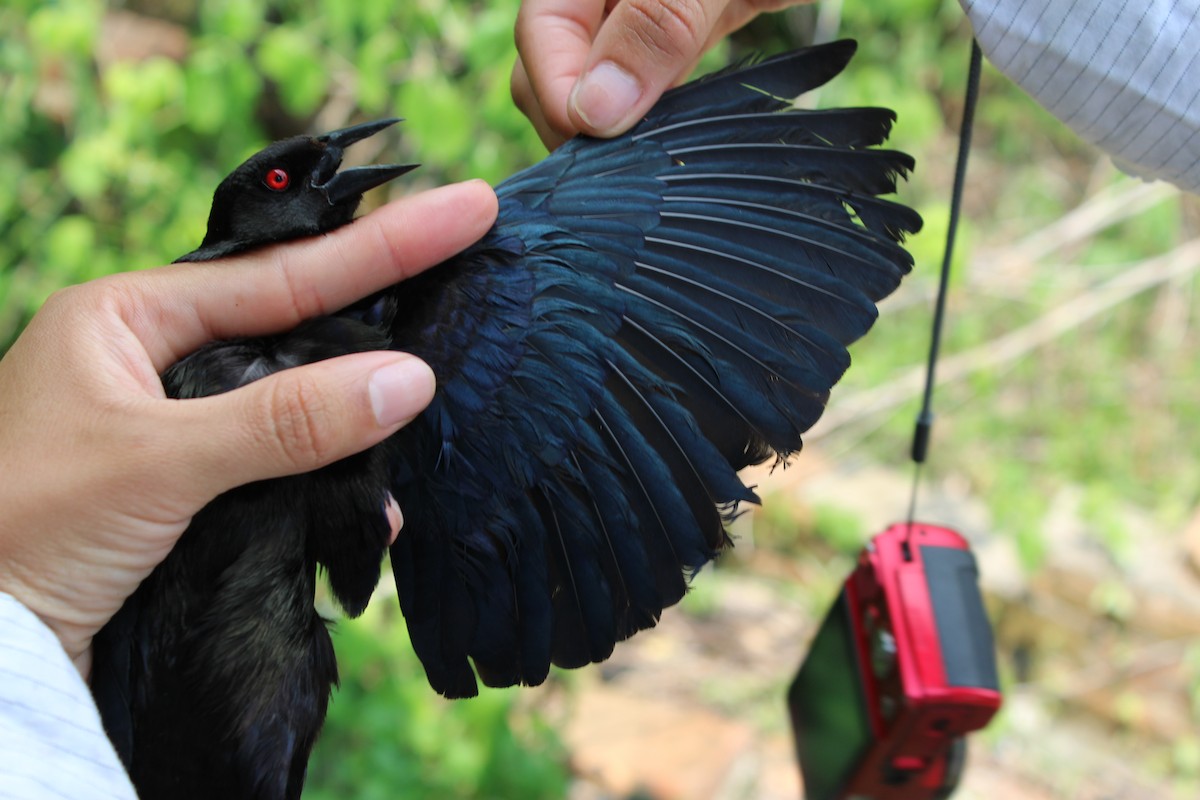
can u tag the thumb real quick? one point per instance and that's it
(641, 50)
(300, 419)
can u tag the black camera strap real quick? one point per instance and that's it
(924, 426)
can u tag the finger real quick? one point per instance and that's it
(554, 38)
(395, 518)
(643, 48)
(175, 309)
(527, 102)
(296, 420)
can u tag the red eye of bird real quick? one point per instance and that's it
(277, 179)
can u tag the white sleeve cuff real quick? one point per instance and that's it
(51, 737)
(1122, 75)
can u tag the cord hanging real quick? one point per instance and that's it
(924, 426)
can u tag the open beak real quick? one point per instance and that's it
(342, 186)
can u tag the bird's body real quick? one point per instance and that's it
(648, 315)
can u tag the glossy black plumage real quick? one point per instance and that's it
(648, 315)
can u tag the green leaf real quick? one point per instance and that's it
(235, 20)
(441, 123)
(222, 87)
(69, 245)
(67, 29)
(291, 58)
(88, 162)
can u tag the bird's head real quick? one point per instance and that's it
(291, 189)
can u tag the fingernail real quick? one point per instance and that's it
(604, 97)
(400, 391)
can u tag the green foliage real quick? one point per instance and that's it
(389, 735)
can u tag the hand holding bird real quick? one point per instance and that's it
(102, 472)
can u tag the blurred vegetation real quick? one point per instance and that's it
(118, 119)
(388, 735)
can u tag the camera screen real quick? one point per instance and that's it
(829, 712)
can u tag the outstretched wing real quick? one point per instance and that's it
(649, 315)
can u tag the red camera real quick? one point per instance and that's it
(902, 668)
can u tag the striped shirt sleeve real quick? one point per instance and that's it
(1123, 74)
(52, 744)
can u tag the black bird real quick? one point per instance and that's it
(648, 315)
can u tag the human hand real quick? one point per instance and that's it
(628, 53)
(102, 473)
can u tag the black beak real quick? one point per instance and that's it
(341, 186)
(356, 133)
(353, 182)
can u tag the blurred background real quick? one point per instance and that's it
(1064, 449)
